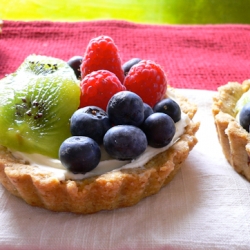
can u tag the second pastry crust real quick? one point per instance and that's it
(234, 140)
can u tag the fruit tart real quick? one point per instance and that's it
(78, 136)
(231, 113)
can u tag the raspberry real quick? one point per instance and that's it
(98, 87)
(147, 79)
(102, 53)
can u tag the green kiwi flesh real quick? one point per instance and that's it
(36, 103)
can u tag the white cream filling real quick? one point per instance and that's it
(106, 164)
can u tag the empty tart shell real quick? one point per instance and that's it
(109, 191)
(234, 139)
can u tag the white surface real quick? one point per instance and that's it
(206, 206)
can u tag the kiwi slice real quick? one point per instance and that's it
(245, 98)
(36, 103)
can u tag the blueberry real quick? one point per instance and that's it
(75, 63)
(90, 121)
(79, 154)
(125, 108)
(159, 129)
(129, 64)
(169, 107)
(244, 117)
(125, 142)
(147, 110)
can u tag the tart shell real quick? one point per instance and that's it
(109, 191)
(234, 140)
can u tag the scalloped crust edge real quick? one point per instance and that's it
(109, 191)
(234, 140)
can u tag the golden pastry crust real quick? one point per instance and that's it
(234, 140)
(105, 192)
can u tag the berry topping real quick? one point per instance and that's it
(75, 62)
(79, 154)
(169, 107)
(244, 117)
(98, 87)
(148, 80)
(129, 64)
(102, 53)
(147, 111)
(90, 121)
(159, 129)
(126, 108)
(125, 142)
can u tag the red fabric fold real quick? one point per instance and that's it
(194, 57)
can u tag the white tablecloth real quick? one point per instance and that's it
(206, 206)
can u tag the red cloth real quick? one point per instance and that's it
(196, 57)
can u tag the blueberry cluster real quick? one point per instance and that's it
(244, 117)
(125, 130)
